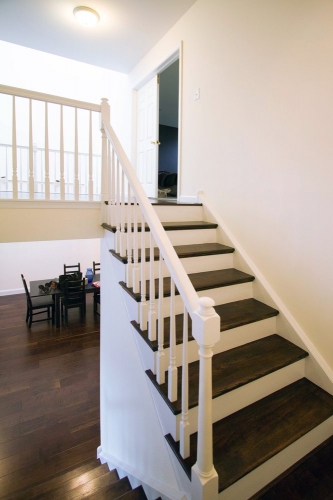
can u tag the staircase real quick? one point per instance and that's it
(90, 481)
(267, 415)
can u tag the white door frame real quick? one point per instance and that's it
(176, 54)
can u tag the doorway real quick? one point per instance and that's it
(158, 133)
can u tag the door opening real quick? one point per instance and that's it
(168, 131)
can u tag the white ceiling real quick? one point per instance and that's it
(127, 29)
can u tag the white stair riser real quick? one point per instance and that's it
(236, 337)
(166, 213)
(196, 264)
(183, 237)
(179, 213)
(221, 295)
(253, 331)
(243, 396)
(253, 482)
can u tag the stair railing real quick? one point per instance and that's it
(140, 237)
(44, 172)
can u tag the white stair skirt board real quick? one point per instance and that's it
(258, 478)
(232, 401)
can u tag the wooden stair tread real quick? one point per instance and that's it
(200, 281)
(184, 251)
(137, 493)
(235, 368)
(249, 437)
(232, 315)
(169, 226)
(243, 312)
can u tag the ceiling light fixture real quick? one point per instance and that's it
(86, 16)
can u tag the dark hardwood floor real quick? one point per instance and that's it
(49, 396)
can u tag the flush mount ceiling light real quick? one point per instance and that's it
(86, 16)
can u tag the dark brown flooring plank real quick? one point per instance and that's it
(243, 312)
(234, 368)
(112, 492)
(49, 397)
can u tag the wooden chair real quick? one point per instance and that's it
(72, 269)
(74, 297)
(97, 293)
(38, 305)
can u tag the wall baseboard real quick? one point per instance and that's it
(13, 291)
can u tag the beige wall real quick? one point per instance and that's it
(258, 141)
(42, 224)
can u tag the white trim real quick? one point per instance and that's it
(154, 483)
(276, 299)
(189, 199)
(174, 55)
(26, 204)
(13, 291)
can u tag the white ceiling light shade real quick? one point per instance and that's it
(86, 16)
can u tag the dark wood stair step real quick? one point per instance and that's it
(184, 251)
(200, 281)
(136, 494)
(310, 478)
(246, 439)
(114, 492)
(170, 226)
(232, 315)
(235, 368)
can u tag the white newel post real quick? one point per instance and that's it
(206, 331)
(105, 118)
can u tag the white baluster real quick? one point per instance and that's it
(152, 316)
(160, 356)
(129, 267)
(172, 371)
(184, 424)
(62, 156)
(47, 154)
(31, 156)
(122, 217)
(136, 270)
(206, 330)
(76, 160)
(112, 207)
(143, 304)
(117, 234)
(14, 153)
(91, 182)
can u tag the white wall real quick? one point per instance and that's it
(35, 70)
(258, 141)
(131, 435)
(40, 260)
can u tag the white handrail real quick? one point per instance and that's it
(39, 96)
(170, 257)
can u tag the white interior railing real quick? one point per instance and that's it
(50, 147)
(139, 236)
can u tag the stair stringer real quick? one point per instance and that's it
(316, 368)
(131, 435)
